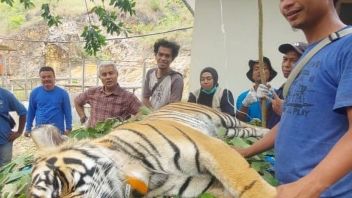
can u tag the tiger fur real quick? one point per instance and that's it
(208, 120)
(150, 158)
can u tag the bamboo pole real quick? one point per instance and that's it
(261, 64)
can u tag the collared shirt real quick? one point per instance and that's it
(120, 104)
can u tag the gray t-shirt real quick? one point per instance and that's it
(169, 90)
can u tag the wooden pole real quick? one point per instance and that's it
(261, 64)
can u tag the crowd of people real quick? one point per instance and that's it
(310, 125)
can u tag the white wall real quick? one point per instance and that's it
(229, 52)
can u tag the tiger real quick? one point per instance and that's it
(153, 157)
(208, 120)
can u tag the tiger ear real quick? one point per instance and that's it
(47, 136)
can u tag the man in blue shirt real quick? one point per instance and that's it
(313, 139)
(8, 103)
(49, 104)
(248, 102)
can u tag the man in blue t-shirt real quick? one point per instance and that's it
(49, 104)
(8, 103)
(313, 138)
(248, 103)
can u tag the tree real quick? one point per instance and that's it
(94, 39)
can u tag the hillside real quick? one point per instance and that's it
(37, 45)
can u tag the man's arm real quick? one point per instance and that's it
(242, 114)
(21, 111)
(18, 133)
(242, 104)
(147, 103)
(227, 102)
(276, 103)
(176, 89)
(192, 98)
(68, 113)
(30, 114)
(264, 144)
(79, 106)
(332, 168)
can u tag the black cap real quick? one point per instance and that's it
(299, 47)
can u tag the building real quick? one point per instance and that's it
(226, 36)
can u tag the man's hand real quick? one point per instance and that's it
(250, 98)
(68, 131)
(245, 152)
(83, 119)
(277, 104)
(302, 188)
(264, 91)
(14, 135)
(27, 134)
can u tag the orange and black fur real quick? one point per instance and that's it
(150, 158)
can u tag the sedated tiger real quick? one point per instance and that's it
(165, 154)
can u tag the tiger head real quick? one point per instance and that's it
(70, 170)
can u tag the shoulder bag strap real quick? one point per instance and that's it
(162, 78)
(303, 61)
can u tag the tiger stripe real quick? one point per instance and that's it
(169, 153)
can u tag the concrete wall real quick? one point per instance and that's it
(230, 51)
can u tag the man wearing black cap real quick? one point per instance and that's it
(292, 52)
(248, 105)
(312, 142)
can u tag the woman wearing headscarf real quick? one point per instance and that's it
(210, 94)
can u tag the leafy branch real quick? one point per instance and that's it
(94, 39)
(46, 14)
(124, 5)
(108, 20)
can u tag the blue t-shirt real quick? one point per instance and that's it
(314, 116)
(8, 102)
(49, 107)
(255, 112)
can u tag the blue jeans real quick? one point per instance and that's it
(5, 153)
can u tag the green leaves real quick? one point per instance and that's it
(15, 176)
(46, 14)
(124, 5)
(102, 128)
(108, 20)
(8, 2)
(262, 163)
(94, 39)
(27, 4)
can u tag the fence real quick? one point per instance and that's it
(76, 78)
